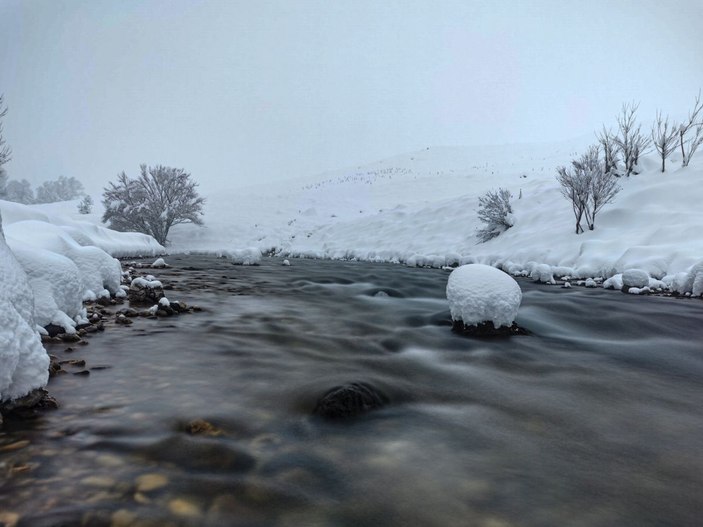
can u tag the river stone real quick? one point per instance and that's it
(487, 329)
(200, 453)
(150, 482)
(349, 400)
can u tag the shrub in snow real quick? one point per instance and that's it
(24, 364)
(588, 186)
(635, 278)
(480, 293)
(86, 205)
(542, 273)
(158, 199)
(630, 141)
(495, 211)
(664, 138)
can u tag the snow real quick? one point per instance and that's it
(147, 282)
(542, 273)
(24, 364)
(480, 293)
(635, 278)
(159, 263)
(419, 209)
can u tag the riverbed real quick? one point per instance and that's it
(593, 419)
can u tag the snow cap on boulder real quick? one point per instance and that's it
(480, 293)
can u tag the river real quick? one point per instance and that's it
(594, 419)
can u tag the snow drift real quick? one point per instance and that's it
(24, 364)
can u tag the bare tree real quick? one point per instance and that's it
(602, 185)
(694, 123)
(664, 138)
(575, 189)
(495, 211)
(587, 186)
(158, 199)
(5, 150)
(606, 139)
(630, 141)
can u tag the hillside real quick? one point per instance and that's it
(420, 209)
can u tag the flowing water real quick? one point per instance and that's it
(595, 419)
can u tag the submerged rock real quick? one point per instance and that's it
(350, 400)
(487, 329)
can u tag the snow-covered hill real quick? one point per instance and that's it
(420, 209)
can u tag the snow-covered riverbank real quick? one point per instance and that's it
(50, 264)
(420, 209)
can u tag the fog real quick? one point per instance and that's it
(240, 93)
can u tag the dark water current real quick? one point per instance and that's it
(596, 419)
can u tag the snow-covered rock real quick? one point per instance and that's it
(159, 263)
(542, 273)
(690, 282)
(590, 283)
(635, 278)
(614, 282)
(24, 364)
(480, 293)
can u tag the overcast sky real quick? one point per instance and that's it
(240, 92)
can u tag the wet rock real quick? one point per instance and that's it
(54, 330)
(54, 365)
(128, 312)
(70, 337)
(105, 301)
(9, 519)
(27, 406)
(202, 427)
(73, 362)
(143, 291)
(82, 372)
(350, 400)
(121, 319)
(487, 329)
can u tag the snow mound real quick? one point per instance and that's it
(542, 273)
(480, 293)
(24, 364)
(614, 282)
(98, 270)
(84, 233)
(57, 286)
(635, 278)
(159, 263)
(689, 282)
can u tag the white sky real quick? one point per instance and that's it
(240, 92)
